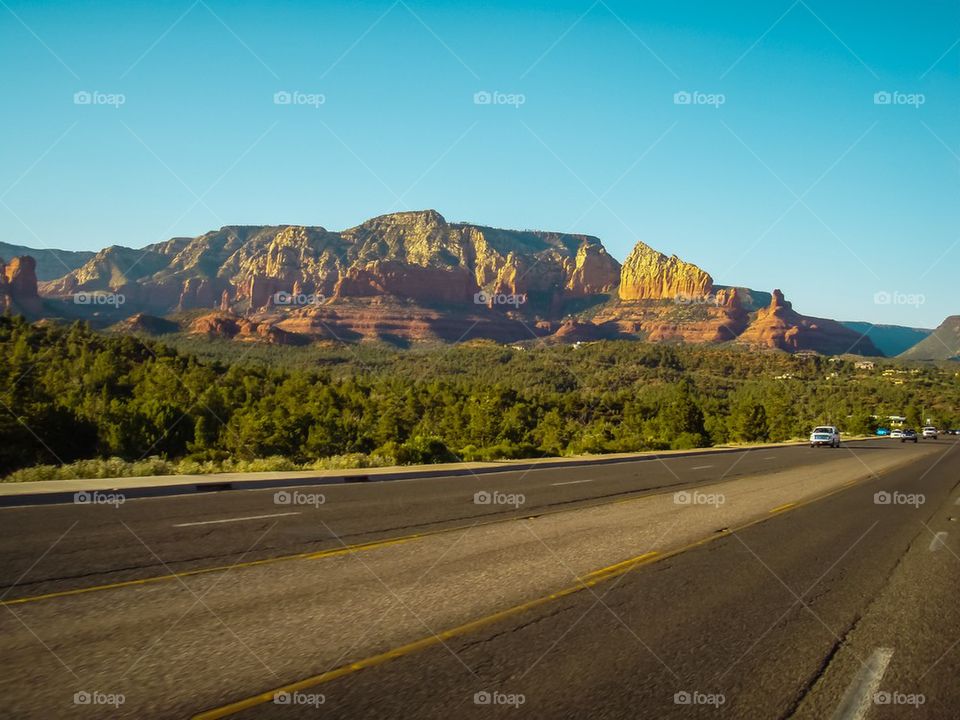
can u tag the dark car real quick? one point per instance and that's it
(909, 435)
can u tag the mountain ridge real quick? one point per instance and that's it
(942, 344)
(416, 276)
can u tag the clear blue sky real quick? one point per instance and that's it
(798, 180)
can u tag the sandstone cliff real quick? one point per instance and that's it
(411, 255)
(780, 326)
(651, 275)
(18, 286)
(414, 276)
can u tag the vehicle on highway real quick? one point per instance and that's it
(930, 432)
(909, 435)
(883, 432)
(897, 434)
(825, 435)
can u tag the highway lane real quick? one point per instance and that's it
(181, 647)
(775, 620)
(87, 545)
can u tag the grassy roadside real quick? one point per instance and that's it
(155, 466)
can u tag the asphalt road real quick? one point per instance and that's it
(774, 621)
(84, 545)
(794, 598)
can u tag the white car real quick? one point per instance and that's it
(930, 432)
(825, 435)
(897, 434)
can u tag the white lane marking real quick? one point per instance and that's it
(858, 699)
(770, 457)
(939, 541)
(572, 482)
(702, 467)
(230, 520)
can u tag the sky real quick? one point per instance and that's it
(811, 146)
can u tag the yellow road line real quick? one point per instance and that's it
(626, 564)
(423, 643)
(597, 576)
(375, 544)
(220, 568)
(328, 553)
(781, 508)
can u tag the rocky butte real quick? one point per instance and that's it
(415, 276)
(18, 286)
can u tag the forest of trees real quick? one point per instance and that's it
(68, 393)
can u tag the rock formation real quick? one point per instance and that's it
(780, 326)
(414, 276)
(18, 286)
(651, 275)
(415, 256)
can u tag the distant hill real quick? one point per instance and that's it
(51, 264)
(942, 344)
(891, 340)
(413, 276)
